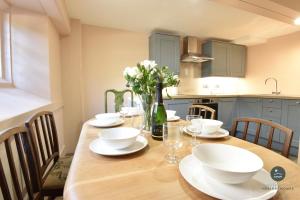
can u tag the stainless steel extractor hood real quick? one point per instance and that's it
(192, 51)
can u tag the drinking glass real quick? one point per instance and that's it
(138, 121)
(172, 139)
(194, 130)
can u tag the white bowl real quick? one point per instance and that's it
(119, 138)
(170, 113)
(130, 111)
(208, 126)
(226, 163)
(108, 118)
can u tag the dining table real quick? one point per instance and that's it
(146, 174)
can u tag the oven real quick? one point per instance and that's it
(212, 103)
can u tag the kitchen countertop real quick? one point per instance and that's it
(265, 96)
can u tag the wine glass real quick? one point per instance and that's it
(172, 138)
(194, 130)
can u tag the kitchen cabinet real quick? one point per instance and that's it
(165, 50)
(249, 107)
(228, 59)
(227, 111)
(291, 119)
(281, 111)
(180, 105)
(272, 112)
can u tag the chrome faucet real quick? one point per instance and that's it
(276, 91)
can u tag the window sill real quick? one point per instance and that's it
(5, 84)
(16, 106)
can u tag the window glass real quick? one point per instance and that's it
(5, 44)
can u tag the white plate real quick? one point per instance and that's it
(219, 134)
(175, 118)
(100, 124)
(97, 146)
(260, 187)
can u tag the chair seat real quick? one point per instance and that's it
(58, 174)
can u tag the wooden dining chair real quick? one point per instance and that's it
(201, 110)
(119, 98)
(272, 127)
(53, 169)
(18, 180)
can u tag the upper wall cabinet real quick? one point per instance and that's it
(165, 50)
(229, 59)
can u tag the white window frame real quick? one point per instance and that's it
(5, 51)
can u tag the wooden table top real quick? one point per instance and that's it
(146, 175)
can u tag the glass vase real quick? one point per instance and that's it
(147, 102)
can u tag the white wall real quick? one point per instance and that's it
(105, 54)
(93, 60)
(278, 58)
(71, 60)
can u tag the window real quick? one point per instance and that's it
(5, 51)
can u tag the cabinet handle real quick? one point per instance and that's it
(270, 101)
(297, 102)
(270, 110)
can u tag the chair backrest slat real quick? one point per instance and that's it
(270, 138)
(54, 135)
(39, 139)
(12, 167)
(24, 164)
(202, 110)
(19, 139)
(245, 132)
(288, 133)
(257, 133)
(45, 134)
(3, 183)
(49, 131)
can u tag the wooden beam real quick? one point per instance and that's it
(57, 11)
(264, 8)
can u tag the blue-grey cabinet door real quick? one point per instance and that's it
(180, 105)
(249, 107)
(236, 60)
(218, 66)
(227, 111)
(228, 59)
(291, 119)
(165, 50)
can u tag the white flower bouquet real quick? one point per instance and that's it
(143, 79)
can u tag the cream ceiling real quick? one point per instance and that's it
(202, 18)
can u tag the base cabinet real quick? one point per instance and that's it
(249, 107)
(291, 119)
(180, 105)
(285, 112)
(227, 111)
